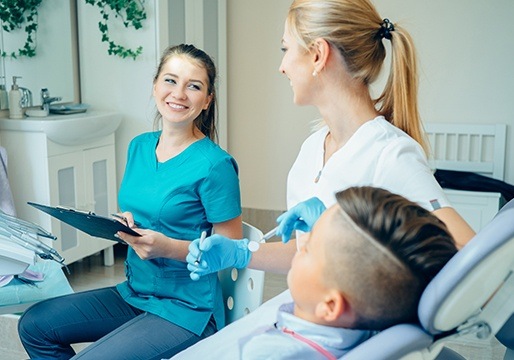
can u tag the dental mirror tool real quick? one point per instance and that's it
(253, 246)
(269, 234)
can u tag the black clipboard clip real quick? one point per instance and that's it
(87, 221)
(60, 207)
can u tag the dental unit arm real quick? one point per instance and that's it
(19, 245)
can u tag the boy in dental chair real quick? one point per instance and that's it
(362, 268)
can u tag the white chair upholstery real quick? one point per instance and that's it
(17, 297)
(242, 288)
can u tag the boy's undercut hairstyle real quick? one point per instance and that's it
(393, 247)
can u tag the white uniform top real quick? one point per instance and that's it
(378, 154)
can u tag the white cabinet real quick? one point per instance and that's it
(83, 179)
(79, 176)
(476, 207)
(476, 148)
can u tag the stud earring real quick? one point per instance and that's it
(314, 73)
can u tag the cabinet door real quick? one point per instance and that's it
(476, 207)
(66, 180)
(100, 190)
(84, 180)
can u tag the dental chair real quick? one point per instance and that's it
(24, 280)
(472, 296)
(506, 333)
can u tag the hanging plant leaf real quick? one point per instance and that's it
(14, 14)
(131, 12)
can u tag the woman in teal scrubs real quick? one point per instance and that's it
(177, 184)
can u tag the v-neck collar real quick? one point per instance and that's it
(321, 164)
(176, 160)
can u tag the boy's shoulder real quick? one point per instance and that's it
(274, 344)
(294, 338)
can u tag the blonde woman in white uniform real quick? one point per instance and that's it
(333, 50)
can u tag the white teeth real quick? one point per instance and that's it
(177, 106)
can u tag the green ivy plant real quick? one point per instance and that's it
(23, 14)
(18, 14)
(132, 13)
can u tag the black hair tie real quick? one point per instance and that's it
(385, 30)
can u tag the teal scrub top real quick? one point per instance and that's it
(180, 198)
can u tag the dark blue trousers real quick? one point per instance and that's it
(117, 330)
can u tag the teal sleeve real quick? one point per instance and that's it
(220, 193)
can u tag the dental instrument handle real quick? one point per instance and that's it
(254, 245)
(202, 238)
(269, 234)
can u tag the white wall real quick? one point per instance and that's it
(466, 76)
(265, 128)
(465, 48)
(112, 83)
(123, 85)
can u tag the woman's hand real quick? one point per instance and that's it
(301, 217)
(216, 253)
(150, 245)
(126, 218)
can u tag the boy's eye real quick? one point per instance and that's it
(283, 49)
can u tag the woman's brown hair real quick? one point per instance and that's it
(207, 120)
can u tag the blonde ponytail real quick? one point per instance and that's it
(399, 99)
(356, 30)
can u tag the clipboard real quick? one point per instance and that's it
(88, 222)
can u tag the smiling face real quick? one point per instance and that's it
(181, 91)
(298, 67)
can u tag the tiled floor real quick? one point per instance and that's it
(90, 273)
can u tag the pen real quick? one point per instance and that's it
(202, 238)
(125, 219)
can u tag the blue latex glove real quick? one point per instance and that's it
(217, 253)
(301, 217)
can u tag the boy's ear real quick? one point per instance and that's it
(320, 49)
(333, 307)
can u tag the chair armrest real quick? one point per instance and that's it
(391, 344)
